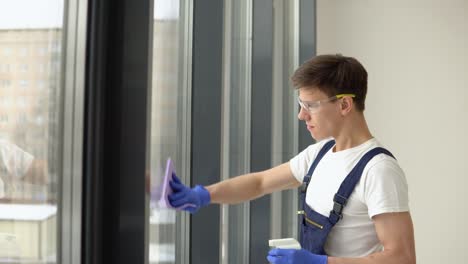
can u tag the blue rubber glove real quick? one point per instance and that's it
(196, 197)
(293, 256)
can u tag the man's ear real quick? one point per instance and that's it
(346, 105)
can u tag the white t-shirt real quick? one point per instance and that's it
(14, 162)
(381, 189)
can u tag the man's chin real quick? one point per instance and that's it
(318, 138)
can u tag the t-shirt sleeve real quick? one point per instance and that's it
(301, 162)
(386, 189)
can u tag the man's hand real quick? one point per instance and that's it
(193, 198)
(293, 256)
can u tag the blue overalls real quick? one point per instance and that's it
(316, 227)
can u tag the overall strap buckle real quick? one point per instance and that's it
(305, 183)
(339, 202)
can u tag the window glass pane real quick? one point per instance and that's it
(30, 98)
(236, 142)
(165, 125)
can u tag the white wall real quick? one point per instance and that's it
(416, 54)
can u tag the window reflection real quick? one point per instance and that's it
(29, 129)
(164, 124)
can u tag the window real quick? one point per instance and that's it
(5, 83)
(22, 118)
(39, 120)
(5, 68)
(23, 83)
(41, 84)
(3, 118)
(29, 176)
(23, 68)
(23, 52)
(42, 51)
(7, 51)
(21, 102)
(55, 47)
(167, 120)
(7, 102)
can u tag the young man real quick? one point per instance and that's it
(355, 196)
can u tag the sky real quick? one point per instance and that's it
(30, 14)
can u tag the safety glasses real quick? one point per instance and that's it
(314, 107)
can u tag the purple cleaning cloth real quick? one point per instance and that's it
(167, 190)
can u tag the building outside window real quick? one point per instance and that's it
(29, 141)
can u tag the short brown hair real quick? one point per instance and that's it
(333, 74)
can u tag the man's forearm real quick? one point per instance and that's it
(384, 257)
(236, 190)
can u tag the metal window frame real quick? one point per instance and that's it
(307, 49)
(206, 124)
(285, 129)
(236, 125)
(261, 122)
(69, 235)
(117, 100)
(185, 64)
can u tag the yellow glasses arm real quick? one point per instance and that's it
(338, 96)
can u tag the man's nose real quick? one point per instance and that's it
(303, 114)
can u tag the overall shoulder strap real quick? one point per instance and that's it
(320, 155)
(348, 185)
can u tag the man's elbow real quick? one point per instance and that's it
(395, 256)
(411, 258)
(260, 185)
(407, 256)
